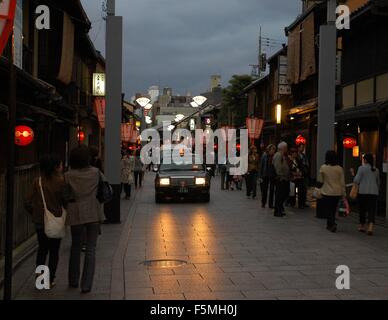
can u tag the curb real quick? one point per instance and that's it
(117, 291)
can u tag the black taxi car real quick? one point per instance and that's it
(182, 181)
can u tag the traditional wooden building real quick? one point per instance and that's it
(364, 91)
(54, 95)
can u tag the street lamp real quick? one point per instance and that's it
(194, 105)
(143, 102)
(179, 117)
(199, 100)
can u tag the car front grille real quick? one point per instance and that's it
(182, 182)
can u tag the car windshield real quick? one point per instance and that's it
(181, 167)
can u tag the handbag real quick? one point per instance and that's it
(104, 190)
(343, 208)
(354, 192)
(292, 189)
(54, 227)
(317, 193)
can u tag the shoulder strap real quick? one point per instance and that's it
(42, 193)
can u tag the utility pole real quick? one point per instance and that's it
(260, 48)
(10, 178)
(326, 84)
(114, 67)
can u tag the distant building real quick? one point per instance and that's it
(154, 92)
(215, 82)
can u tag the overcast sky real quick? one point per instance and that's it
(181, 43)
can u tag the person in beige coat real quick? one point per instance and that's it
(332, 177)
(84, 213)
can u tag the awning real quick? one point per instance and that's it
(304, 108)
(367, 111)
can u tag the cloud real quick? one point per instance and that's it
(180, 43)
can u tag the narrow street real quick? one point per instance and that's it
(231, 248)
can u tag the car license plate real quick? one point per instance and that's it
(183, 190)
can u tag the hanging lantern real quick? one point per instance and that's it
(126, 132)
(300, 140)
(23, 136)
(349, 142)
(80, 135)
(99, 106)
(255, 127)
(7, 15)
(356, 152)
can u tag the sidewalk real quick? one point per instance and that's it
(24, 278)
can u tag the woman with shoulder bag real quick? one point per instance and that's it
(53, 186)
(332, 178)
(367, 180)
(85, 212)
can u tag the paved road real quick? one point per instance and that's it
(232, 249)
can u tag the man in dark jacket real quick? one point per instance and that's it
(267, 177)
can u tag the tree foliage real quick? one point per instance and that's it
(234, 102)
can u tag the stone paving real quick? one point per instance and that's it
(233, 249)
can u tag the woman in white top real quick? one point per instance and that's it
(332, 177)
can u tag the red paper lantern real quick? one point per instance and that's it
(300, 140)
(349, 142)
(80, 136)
(24, 135)
(7, 15)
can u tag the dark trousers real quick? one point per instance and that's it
(223, 177)
(138, 178)
(329, 206)
(367, 204)
(281, 195)
(300, 190)
(127, 189)
(92, 231)
(251, 181)
(266, 184)
(47, 247)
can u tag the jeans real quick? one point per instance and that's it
(47, 247)
(330, 205)
(251, 180)
(281, 195)
(267, 183)
(92, 231)
(138, 178)
(367, 204)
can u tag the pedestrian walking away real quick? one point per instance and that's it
(367, 180)
(223, 171)
(296, 179)
(304, 182)
(267, 177)
(55, 194)
(253, 169)
(84, 212)
(332, 178)
(138, 170)
(282, 171)
(127, 175)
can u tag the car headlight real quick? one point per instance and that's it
(164, 181)
(200, 181)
